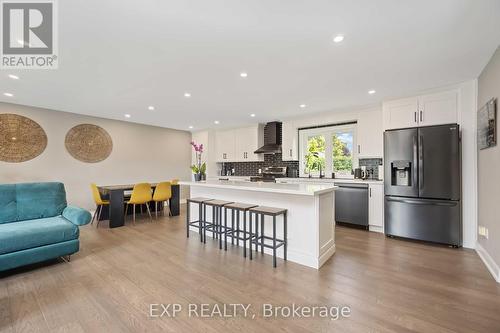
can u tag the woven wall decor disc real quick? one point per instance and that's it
(88, 143)
(21, 139)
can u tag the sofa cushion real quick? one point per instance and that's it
(29, 201)
(8, 207)
(23, 235)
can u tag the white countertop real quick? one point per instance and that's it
(330, 180)
(301, 188)
(306, 180)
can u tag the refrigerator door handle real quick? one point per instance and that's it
(421, 162)
(415, 154)
(424, 203)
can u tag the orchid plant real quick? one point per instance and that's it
(199, 168)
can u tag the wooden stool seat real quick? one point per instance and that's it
(218, 203)
(272, 211)
(240, 206)
(199, 200)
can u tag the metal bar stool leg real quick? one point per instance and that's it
(250, 233)
(256, 232)
(187, 219)
(201, 225)
(220, 228)
(274, 241)
(204, 223)
(238, 227)
(244, 234)
(225, 229)
(232, 226)
(285, 245)
(262, 233)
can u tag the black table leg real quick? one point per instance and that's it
(175, 200)
(116, 217)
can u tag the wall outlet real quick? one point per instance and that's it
(483, 231)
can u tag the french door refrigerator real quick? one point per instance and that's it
(422, 184)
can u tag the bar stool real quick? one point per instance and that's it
(260, 239)
(216, 226)
(236, 209)
(202, 214)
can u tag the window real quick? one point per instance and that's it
(342, 154)
(328, 149)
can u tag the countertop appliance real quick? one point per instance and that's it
(272, 139)
(351, 204)
(422, 182)
(269, 174)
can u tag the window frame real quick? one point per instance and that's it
(327, 131)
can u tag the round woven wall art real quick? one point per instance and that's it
(88, 143)
(21, 139)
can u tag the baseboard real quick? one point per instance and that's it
(375, 228)
(489, 262)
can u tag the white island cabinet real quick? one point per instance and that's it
(310, 213)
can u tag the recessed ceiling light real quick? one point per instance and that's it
(243, 74)
(14, 77)
(371, 92)
(8, 94)
(127, 115)
(216, 122)
(187, 95)
(151, 108)
(252, 115)
(302, 106)
(338, 38)
(190, 127)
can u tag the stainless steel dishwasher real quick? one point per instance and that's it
(351, 204)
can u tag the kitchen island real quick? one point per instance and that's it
(311, 212)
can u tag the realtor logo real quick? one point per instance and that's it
(29, 39)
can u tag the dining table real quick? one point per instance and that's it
(116, 194)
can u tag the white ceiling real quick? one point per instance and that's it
(118, 57)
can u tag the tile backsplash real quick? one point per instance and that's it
(252, 168)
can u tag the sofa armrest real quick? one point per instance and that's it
(77, 216)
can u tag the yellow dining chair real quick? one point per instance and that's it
(163, 192)
(141, 195)
(98, 202)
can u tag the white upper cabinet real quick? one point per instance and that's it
(225, 145)
(370, 138)
(438, 109)
(239, 144)
(425, 110)
(401, 113)
(248, 140)
(289, 144)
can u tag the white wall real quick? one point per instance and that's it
(489, 173)
(140, 153)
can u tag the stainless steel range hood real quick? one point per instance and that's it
(272, 139)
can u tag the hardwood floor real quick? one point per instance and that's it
(390, 285)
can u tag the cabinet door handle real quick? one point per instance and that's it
(415, 116)
(370, 192)
(421, 116)
(359, 149)
(290, 153)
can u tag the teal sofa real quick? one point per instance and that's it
(36, 224)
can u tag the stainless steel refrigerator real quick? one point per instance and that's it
(422, 169)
